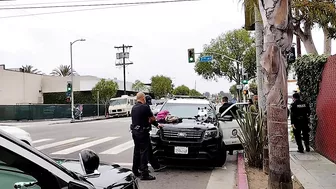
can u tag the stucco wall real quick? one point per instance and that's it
(19, 88)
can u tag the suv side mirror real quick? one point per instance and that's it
(79, 185)
(89, 161)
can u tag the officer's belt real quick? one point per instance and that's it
(139, 128)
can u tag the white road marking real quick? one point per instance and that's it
(119, 148)
(85, 145)
(42, 140)
(60, 143)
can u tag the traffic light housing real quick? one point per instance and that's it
(291, 57)
(191, 55)
(245, 78)
(69, 87)
(68, 91)
(245, 92)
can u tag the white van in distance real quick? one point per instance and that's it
(121, 106)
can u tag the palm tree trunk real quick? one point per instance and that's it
(261, 97)
(327, 42)
(277, 41)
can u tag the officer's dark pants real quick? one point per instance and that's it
(151, 158)
(140, 154)
(304, 131)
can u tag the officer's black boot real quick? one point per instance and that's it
(147, 177)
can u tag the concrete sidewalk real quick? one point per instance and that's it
(312, 169)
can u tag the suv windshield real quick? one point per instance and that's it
(118, 101)
(186, 110)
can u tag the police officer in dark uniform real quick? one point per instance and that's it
(300, 113)
(142, 117)
(151, 158)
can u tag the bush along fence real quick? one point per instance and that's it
(309, 70)
(45, 111)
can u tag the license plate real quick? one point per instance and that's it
(181, 150)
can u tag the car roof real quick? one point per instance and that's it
(188, 101)
(241, 103)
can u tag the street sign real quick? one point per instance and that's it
(206, 59)
(239, 87)
(122, 55)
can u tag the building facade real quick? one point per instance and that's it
(17, 87)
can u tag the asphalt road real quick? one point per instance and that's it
(112, 141)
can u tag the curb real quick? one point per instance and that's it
(94, 119)
(242, 176)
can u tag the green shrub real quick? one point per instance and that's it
(309, 70)
(250, 136)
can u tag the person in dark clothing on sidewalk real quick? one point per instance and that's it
(300, 113)
(142, 117)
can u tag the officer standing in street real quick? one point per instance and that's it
(142, 117)
(151, 158)
(300, 113)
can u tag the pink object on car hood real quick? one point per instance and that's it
(162, 115)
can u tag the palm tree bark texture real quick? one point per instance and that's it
(278, 37)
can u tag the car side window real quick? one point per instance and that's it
(17, 170)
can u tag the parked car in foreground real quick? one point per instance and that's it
(18, 133)
(22, 166)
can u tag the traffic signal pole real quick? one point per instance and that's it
(72, 85)
(239, 73)
(72, 93)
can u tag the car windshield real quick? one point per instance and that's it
(185, 110)
(118, 101)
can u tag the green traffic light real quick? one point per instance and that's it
(245, 81)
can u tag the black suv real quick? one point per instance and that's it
(190, 138)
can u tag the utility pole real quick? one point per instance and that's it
(122, 56)
(98, 103)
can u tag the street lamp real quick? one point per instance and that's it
(72, 93)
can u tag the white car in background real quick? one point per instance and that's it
(231, 129)
(21, 134)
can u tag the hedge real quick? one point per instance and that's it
(309, 70)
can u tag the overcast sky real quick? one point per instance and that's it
(160, 36)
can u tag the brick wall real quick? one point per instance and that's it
(326, 111)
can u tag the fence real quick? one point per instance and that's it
(45, 111)
(325, 140)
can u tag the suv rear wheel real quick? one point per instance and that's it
(221, 158)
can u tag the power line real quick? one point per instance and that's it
(48, 3)
(91, 38)
(60, 12)
(96, 5)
